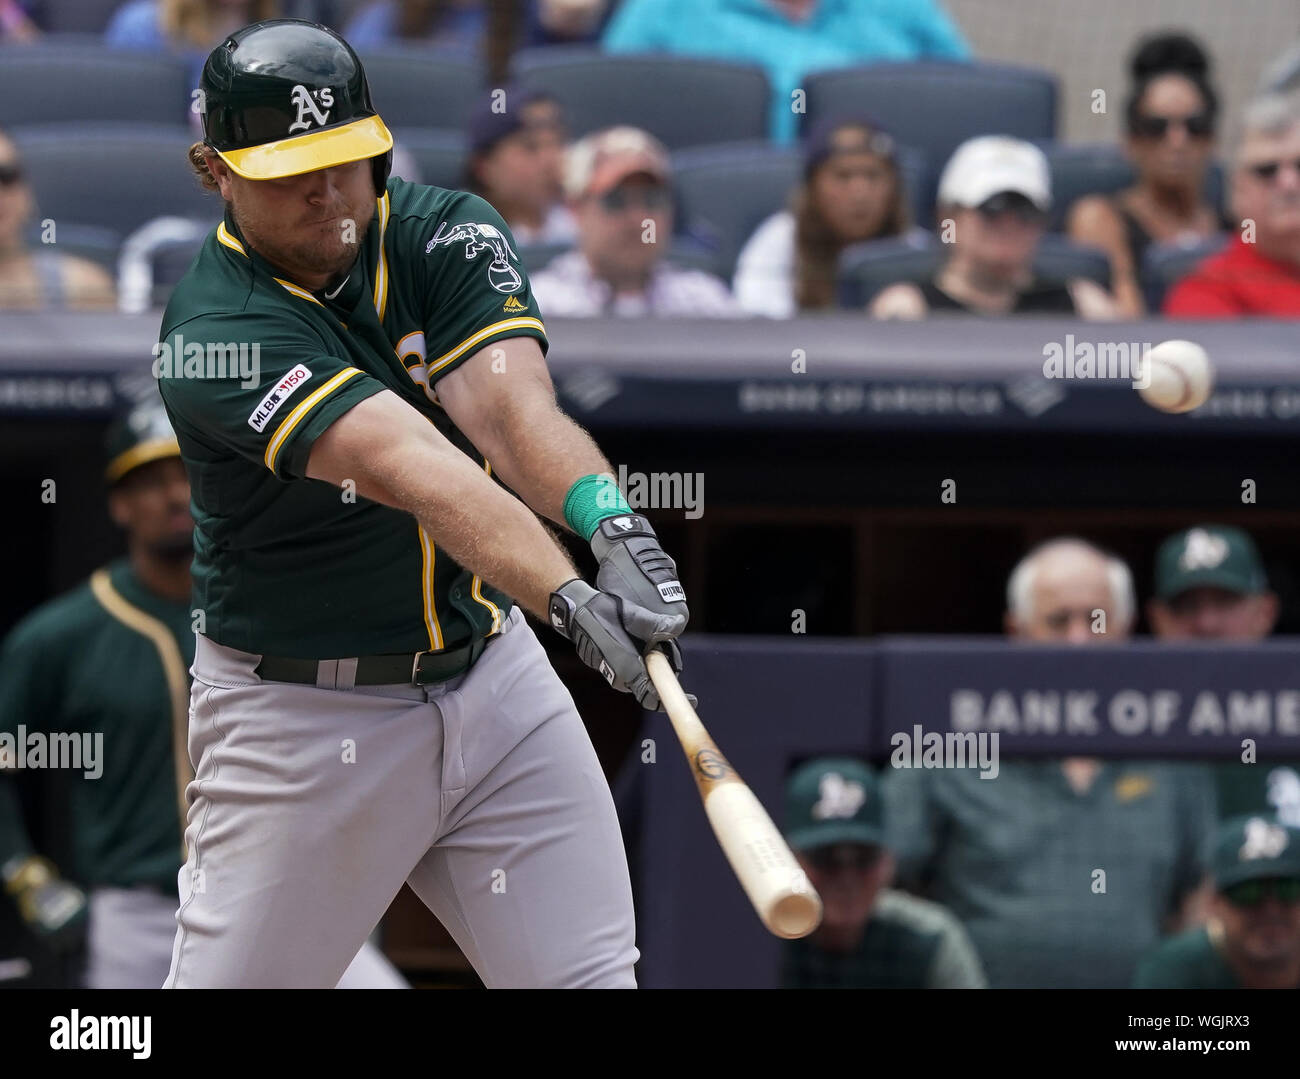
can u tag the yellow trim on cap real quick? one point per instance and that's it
(155, 449)
(323, 149)
(173, 665)
(224, 237)
(482, 335)
(295, 417)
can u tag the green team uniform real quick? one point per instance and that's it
(103, 659)
(1186, 961)
(436, 282)
(908, 943)
(1016, 859)
(1263, 787)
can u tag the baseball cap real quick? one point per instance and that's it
(1209, 555)
(1253, 848)
(991, 164)
(488, 126)
(137, 437)
(601, 161)
(833, 800)
(845, 135)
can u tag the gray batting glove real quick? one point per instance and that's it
(638, 571)
(598, 625)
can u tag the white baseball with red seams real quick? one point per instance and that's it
(1179, 376)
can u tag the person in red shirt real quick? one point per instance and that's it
(1257, 273)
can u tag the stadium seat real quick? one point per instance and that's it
(725, 192)
(82, 81)
(115, 176)
(867, 268)
(934, 105)
(415, 86)
(681, 100)
(1164, 264)
(73, 16)
(438, 154)
(1102, 170)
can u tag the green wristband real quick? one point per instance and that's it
(590, 501)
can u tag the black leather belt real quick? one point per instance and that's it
(410, 668)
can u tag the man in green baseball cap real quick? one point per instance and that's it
(871, 936)
(1210, 585)
(1252, 940)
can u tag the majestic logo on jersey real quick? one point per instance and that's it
(1203, 550)
(280, 393)
(839, 797)
(478, 238)
(513, 304)
(302, 100)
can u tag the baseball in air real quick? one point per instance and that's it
(1179, 376)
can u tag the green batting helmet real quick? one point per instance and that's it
(284, 96)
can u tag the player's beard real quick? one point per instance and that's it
(314, 249)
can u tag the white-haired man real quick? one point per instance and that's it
(1016, 857)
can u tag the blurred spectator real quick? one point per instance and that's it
(1210, 585)
(870, 937)
(516, 162)
(1016, 857)
(1252, 940)
(39, 277)
(617, 182)
(994, 198)
(566, 22)
(1171, 118)
(192, 27)
(1259, 272)
(458, 23)
(787, 38)
(15, 26)
(851, 191)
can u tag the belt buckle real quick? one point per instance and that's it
(415, 667)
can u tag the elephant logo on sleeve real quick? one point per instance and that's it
(478, 238)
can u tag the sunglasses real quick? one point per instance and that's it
(651, 198)
(1251, 893)
(10, 175)
(843, 856)
(1268, 170)
(1011, 203)
(1198, 126)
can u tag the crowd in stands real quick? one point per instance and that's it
(826, 208)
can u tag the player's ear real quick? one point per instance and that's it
(118, 509)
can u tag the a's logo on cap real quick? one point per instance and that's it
(839, 797)
(302, 99)
(1264, 839)
(1202, 550)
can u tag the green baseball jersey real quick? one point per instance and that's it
(908, 943)
(1057, 889)
(289, 566)
(1186, 961)
(99, 674)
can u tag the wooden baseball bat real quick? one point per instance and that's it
(782, 895)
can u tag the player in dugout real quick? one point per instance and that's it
(107, 665)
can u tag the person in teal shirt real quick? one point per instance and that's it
(788, 38)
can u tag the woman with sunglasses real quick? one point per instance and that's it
(1171, 118)
(994, 198)
(39, 276)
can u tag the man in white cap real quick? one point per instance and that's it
(617, 184)
(994, 198)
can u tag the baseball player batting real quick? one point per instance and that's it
(106, 663)
(369, 705)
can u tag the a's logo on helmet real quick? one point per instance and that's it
(302, 100)
(482, 237)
